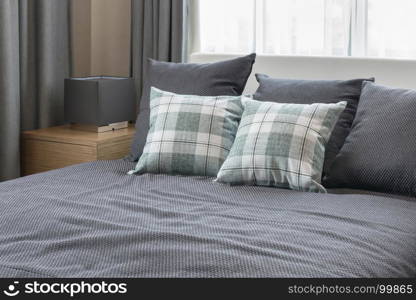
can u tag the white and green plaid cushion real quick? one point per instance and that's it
(189, 135)
(281, 145)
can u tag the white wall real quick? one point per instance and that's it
(392, 72)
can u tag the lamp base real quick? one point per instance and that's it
(100, 129)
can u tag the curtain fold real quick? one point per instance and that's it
(157, 32)
(34, 60)
(9, 90)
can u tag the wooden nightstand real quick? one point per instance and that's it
(58, 147)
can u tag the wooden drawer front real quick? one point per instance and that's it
(114, 150)
(40, 156)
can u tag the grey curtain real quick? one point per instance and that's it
(157, 32)
(34, 60)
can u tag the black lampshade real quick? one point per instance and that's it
(100, 101)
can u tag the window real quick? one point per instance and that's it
(391, 28)
(378, 28)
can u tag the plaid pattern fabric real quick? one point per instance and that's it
(281, 145)
(189, 135)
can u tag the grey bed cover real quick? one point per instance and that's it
(93, 220)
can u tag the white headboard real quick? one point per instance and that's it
(391, 72)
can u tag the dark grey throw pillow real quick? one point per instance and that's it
(225, 78)
(379, 153)
(316, 91)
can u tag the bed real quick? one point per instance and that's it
(92, 220)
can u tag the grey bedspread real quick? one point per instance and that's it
(93, 220)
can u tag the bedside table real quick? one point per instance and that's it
(58, 147)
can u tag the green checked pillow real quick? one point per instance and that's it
(189, 135)
(281, 145)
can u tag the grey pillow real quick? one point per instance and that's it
(316, 91)
(379, 153)
(225, 78)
